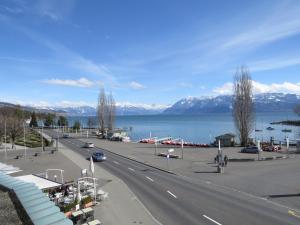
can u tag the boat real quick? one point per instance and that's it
(270, 128)
(286, 130)
(257, 130)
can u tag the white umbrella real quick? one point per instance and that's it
(78, 192)
(92, 168)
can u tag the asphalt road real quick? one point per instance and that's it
(180, 200)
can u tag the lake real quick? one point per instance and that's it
(200, 128)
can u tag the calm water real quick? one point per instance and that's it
(198, 128)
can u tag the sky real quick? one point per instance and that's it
(60, 53)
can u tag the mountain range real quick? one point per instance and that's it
(267, 102)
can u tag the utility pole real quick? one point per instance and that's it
(259, 150)
(5, 140)
(155, 153)
(42, 139)
(181, 148)
(24, 140)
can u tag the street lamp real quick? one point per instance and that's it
(168, 157)
(24, 140)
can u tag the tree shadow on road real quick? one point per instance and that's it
(284, 195)
(205, 172)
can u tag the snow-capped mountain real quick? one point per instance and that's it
(121, 109)
(267, 102)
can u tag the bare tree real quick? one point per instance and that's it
(14, 119)
(243, 107)
(111, 104)
(101, 111)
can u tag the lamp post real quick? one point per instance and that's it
(168, 157)
(42, 138)
(259, 150)
(24, 141)
(5, 140)
(181, 148)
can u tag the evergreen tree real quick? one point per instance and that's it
(33, 121)
(49, 121)
(76, 125)
(62, 121)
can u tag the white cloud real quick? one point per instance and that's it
(135, 85)
(276, 63)
(82, 82)
(285, 87)
(278, 24)
(225, 89)
(258, 88)
(185, 85)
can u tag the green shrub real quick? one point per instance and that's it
(86, 200)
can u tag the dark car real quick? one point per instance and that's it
(250, 149)
(66, 136)
(98, 156)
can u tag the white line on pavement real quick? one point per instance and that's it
(149, 178)
(172, 194)
(115, 162)
(130, 169)
(212, 220)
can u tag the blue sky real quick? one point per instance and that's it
(61, 52)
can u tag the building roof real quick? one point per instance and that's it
(227, 135)
(37, 205)
(40, 182)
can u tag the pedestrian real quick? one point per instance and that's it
(225, 160)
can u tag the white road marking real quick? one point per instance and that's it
(149, 178)
(115, 162)
(212, 220)
(130, 169)
(172, 194)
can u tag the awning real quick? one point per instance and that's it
(8, 169)
(40, 182)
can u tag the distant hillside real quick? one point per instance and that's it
(268, 102)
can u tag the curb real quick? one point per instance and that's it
(261, 159)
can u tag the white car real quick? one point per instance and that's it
(89, 145)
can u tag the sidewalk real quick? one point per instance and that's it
(121, 206)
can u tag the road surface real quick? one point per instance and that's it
(178, 200)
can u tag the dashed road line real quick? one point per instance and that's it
(149, 178)
(212, 220)
(130, 169)
(172, 194)
(115, 162)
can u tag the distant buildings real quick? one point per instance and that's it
(226, 140)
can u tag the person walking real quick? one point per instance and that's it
(225, 160)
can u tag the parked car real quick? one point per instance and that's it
(269, 148)
(98, 156)
(250, 149)
(89, 145)
(66, 135)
